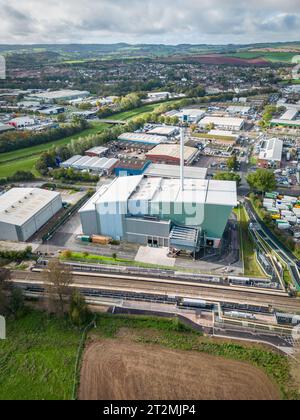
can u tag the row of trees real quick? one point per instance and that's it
(70, 175)
(14, 140)
(61, 298)
(19, 176)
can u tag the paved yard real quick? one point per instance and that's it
(157, 256)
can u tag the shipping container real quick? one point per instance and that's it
(101, 240)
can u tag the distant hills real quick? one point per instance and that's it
(264, 52)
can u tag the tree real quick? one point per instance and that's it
(262, 180)
(228, 176)
(58, 279)
(232, 163)
(78, 312)
(61, 118)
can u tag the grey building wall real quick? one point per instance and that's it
(139, 230)
(89, 223)
(22, 233)
(8, 232)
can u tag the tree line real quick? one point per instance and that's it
(15, 140)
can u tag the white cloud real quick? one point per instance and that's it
(151, 21)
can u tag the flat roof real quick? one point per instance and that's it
(118, 191)
(192, 112)
(272, 150)
(223, 133)
(173, 171)
(19, 205)
(59, 94)
(222, 121)
(173, 151)
(142, 138)
(286, 122)
(238, 108)
(290, 114)
(97, 150)
(163, 131)
(159, 190)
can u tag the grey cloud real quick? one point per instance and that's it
(169, 21)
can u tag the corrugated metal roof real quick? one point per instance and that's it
(19, 205)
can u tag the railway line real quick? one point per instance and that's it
(154, 287)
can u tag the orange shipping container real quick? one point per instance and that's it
(101, 240)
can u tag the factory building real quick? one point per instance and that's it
(170, 154)
(5, 127)
(166, 130)
(92, 164)
(289, 118)
(223, 123)
(161, 212)
(270, 155)
(142, 138)
(173, 172)
(97, 152)
(238, 110)
(190, 116)
(131, 167)
(59, 95)
(21, 122)
(23, 211)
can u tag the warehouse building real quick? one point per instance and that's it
(170, 154)
(97, 152)
(166, 130)
(159, 212)
(238, 110)
(59, 95)
(5, 127)
(190, 116)
(23, 211)
(92, 164)
(223, 123)
(22, 122)
(131, 167)
(270, 155)
(173, 172)
(142, 138)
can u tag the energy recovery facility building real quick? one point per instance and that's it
(161, 212)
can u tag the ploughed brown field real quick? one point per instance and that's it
(117, 370)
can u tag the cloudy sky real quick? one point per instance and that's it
(149, 21)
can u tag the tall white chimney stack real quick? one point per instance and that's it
(182, 141)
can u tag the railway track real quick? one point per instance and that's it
(169, 288)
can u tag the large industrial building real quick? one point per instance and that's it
(142, 138)
(223, 123)
(270, 153)
(59, 95)
(23, 211)
(170, 154)
(94, 165)
(161, 212)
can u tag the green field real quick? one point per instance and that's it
(25, 159)
(274, 57)
(139, 112)
(37, 361)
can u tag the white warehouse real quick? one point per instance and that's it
(23, 211)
